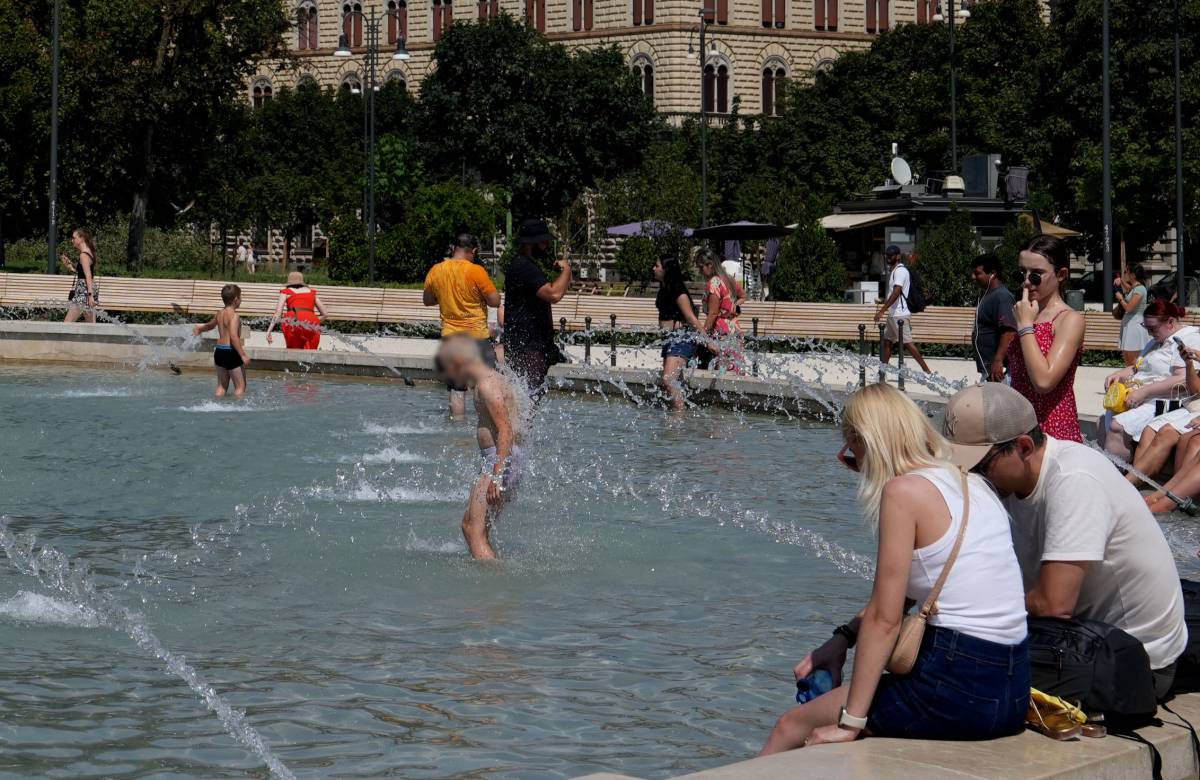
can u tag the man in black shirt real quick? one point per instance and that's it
(528, 340)
(995, 326)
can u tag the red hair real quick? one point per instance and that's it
(1163, 309)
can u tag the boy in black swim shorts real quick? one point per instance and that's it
(229, 356)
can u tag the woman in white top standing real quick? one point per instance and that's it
(971, 677)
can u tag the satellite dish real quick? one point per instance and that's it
(901, 173)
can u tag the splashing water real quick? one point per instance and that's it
(55, 571)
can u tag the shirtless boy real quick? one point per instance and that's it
(498, 434)
(229, 356)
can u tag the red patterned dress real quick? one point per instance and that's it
(1056, 410)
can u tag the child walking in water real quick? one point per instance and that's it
(229, 355)
(498, 434)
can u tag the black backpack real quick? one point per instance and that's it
(916, 293)
(1097, 665)
(1187, 670)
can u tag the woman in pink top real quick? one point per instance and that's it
(721, 298)
(1043, 358)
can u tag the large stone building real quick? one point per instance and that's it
(752, 44)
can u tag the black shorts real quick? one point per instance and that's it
(487, 351)
(226, 357)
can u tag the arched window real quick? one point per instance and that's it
(716, 88)
(535, 14)
(774, 13)
(643, 11)
(824, 66)
(307, 81)
(926, 10)
(261, 93)
(352, 23)
(582, 14)
(489, 9)
(352, 84)
(397, 20)
(643, 71)
(825, 15)
(443, 17)
(877, 15)
(306, 26)
(397, 77)
(774, 83)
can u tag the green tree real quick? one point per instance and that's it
(942, 259)
(808, 267)
(505, 106)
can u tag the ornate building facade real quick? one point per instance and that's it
(753, 45)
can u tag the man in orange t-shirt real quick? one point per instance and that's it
(463, 291)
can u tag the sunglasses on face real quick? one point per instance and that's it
(984, 466)
(1031, 275)
(848, 458)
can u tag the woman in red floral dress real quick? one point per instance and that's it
(1043, 358)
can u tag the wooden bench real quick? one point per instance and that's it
(828, 321)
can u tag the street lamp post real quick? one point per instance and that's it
(371, 60)
(955, 11)
(1106, 164)
(703, 14)
(52, 229)
(1180, 232)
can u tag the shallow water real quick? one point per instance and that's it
(301, 549)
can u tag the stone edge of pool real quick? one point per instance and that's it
(1028, 755)
(100, 344)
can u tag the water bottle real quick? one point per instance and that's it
(819, 683)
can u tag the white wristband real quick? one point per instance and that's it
(846, 720)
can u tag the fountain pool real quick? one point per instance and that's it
(301, 550)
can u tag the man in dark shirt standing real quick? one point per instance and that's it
(995, 326)
(528, 340)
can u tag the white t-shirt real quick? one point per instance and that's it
(983, 596)
(899, 276)
(1081, 510)
(241, 253)
(1159, 361)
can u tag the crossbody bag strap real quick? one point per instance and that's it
(930, 605)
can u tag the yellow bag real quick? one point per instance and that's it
(1114, 399)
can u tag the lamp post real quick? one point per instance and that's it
(955, 12)
(703, 13)
(1180, 232)
(52, 229)
(1106, 165)
(371, 60)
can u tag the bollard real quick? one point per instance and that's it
(882, 336)
(587, 340)
(612, 355)
(754, 331)
(862, 353)
(900, 358)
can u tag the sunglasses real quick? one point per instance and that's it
(1031, 275)
(985, 465)
(847, 457)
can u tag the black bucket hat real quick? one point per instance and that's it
(534, 231)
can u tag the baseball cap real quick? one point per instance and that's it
(983, 415)
(892, 249)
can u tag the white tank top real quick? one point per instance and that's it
(984, 596)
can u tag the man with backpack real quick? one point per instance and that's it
(904, 299)
(1092, 555)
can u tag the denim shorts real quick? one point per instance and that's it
(680, 343)
(960, 688)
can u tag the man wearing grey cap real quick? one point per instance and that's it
(1088, 546)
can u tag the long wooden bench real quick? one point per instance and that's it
(830, 321)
